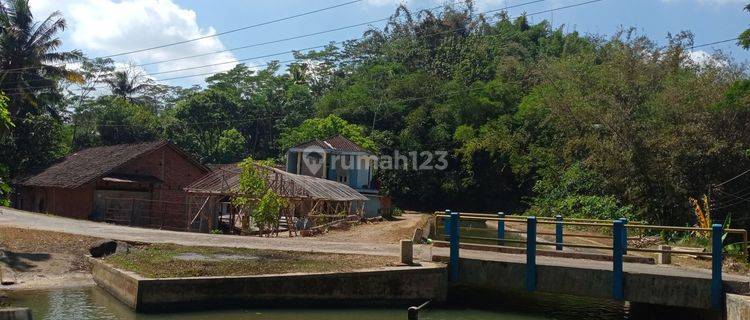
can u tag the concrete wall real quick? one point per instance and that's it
(738, 307)
(121, 284)
(580, 280)
(385, 286)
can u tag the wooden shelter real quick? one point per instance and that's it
(312, 202)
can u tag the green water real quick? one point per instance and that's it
(94, 303)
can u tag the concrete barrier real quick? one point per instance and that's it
(372, 287)
(738, 307)
(15, 314)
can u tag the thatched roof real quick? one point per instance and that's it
(335, 143)
(225, 181)
(87, 165)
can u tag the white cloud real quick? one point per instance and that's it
(699, 56)
(109, 27)
(703, 58)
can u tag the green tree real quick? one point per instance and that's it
(231, 147)
(31, 69)
(744, 38)
(30, 66)
(199, 122)
(119, 121)
(321, 128)
(128, 84)
(257, 198)
(5, 123)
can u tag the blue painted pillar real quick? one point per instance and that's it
(454, 246)
(618, 292)
(447, 224)
(500, 228)
(559, 232)
(624, 235)
(531, 253)
(717, 286)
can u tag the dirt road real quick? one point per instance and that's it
(23, 219)
(383, 232)
(38, 261)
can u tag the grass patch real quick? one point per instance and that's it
(169, 261)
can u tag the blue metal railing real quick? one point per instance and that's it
(619, 250)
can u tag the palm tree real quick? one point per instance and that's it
(127, 83)
(30, 65)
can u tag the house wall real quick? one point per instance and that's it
(73, 203)
(176, 172)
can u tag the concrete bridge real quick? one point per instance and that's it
(615, 279)
(643, 283)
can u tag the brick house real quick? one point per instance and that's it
(137, 184)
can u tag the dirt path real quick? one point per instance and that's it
(385, 232)
(43, 259)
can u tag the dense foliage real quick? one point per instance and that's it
(257, 198)
(534, 118)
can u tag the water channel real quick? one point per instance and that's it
(93, 303)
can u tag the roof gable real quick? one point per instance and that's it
(87, 165)
(335, 143)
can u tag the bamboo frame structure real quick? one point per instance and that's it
(308, 198)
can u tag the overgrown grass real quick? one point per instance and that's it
(163, 261)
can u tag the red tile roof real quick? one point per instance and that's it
(337, 143)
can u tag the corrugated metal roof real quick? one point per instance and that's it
(225, 180)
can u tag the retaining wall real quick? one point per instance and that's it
(383, 286)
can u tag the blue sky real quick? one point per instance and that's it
(103, 27)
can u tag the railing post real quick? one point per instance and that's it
(500, 228)
(531, 253)
(559, 232)
(717, 287)
(624, 235)
(446, 224)
(454, 236)
(618, 292)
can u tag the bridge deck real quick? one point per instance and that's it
(655, 284)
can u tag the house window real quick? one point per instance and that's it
(343, 179)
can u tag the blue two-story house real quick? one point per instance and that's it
(338, 159)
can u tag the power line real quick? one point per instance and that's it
(208, 36)
(732, 179)
(734, 196)
(289, 38)
(233, 30)
(343, 41)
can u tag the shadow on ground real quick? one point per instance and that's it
(22, 261)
